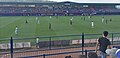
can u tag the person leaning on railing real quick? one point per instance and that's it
(103, 43)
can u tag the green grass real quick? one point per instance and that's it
(60, 26)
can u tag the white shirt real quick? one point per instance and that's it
(50, 17)
(36, 18)
(37, 40)
(16, 28)
(71, 19)
(102, 19)
(92, 23)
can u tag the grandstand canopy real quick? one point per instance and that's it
(89, 1)
(76, 1)
(53, 3)
(24, 1)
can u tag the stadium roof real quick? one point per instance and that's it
(76, 1)
(25, 1)
(43, 2)
(89, 1)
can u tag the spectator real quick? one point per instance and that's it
(68, 56)
(118, 53)
(111, 52)
(103, 44)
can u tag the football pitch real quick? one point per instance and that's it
(59, 25)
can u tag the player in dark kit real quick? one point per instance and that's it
(110, 19)
(71, 21)
(26, 21)
(106, 21)
(84, 18)
(49, 26)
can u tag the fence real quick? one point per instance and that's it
(21, 47)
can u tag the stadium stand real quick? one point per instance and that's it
(61, 8)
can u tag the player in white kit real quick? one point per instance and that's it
(103, 19)
(92, 23)
(16, 30)
(36, 18)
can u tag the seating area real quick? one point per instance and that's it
(68, 8)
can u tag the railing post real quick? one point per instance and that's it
(112, 38)
(11, 47)
(86, 53)
(50, 43)
(43, 55)
(82, 43)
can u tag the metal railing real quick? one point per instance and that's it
(51, 40)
